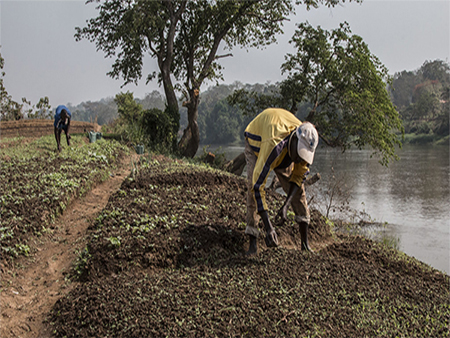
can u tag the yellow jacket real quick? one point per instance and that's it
(268, 135)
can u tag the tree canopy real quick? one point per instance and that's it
(422, 98)
(11, 110)
(186, 39)
(345, 86)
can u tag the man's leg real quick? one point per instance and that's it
(58, 138)
(66, 131)
(299, 205)
(302, 217)
(252, 217)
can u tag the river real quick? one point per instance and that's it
(409, 200)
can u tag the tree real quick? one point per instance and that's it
(436, 70)
(252, 99)
(129, 123)
(10, 110)
(129, 30)
(152, 127)
(157, 127)
(127, 107)
(345, 86)
(184, 37)
(422, 97)
(218, 122)
(402, 88)
(153, 100)
(42, 110)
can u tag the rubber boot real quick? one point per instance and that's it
(304, 235)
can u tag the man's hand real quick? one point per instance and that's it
(271, 235)
(282, 214)
(271, 239)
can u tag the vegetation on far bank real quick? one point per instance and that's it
(427, 139)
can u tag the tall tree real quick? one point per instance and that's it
(402, 88)
(185, 37)
(130, 30)
(9, 109)
(345, 85)
(436, 70)
(422, 97)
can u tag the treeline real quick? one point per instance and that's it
(422, 98)
(218, 121)
(105, 111)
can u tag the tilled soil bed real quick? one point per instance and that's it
(38, 128)
(166, 258)
(37, 184)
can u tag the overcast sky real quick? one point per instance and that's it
(42, 57)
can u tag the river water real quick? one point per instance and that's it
(409, 200)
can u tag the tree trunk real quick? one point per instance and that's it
(169, 91)
(172, 101)
(190, 140)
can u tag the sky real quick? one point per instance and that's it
(42, 57)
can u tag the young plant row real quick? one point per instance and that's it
(154, 211)
(165, 258)
(37, 184)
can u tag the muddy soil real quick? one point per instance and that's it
(160, 252)
(166, 258)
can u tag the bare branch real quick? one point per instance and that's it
(223, 56)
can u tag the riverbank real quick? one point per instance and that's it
(165, 258)
(409, 198)
(161, 253)
(422, 139)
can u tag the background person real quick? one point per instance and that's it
(277, 140)
(62, 122)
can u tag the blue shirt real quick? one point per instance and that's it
(58, 123)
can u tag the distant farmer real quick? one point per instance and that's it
(277, 140)
(62, 122)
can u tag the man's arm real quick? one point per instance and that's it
(282, 213)
(271, 235)
(68, 126)
(67, 133)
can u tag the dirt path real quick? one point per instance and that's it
(31, 288)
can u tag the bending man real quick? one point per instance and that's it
(62, 122)
(277, 140)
